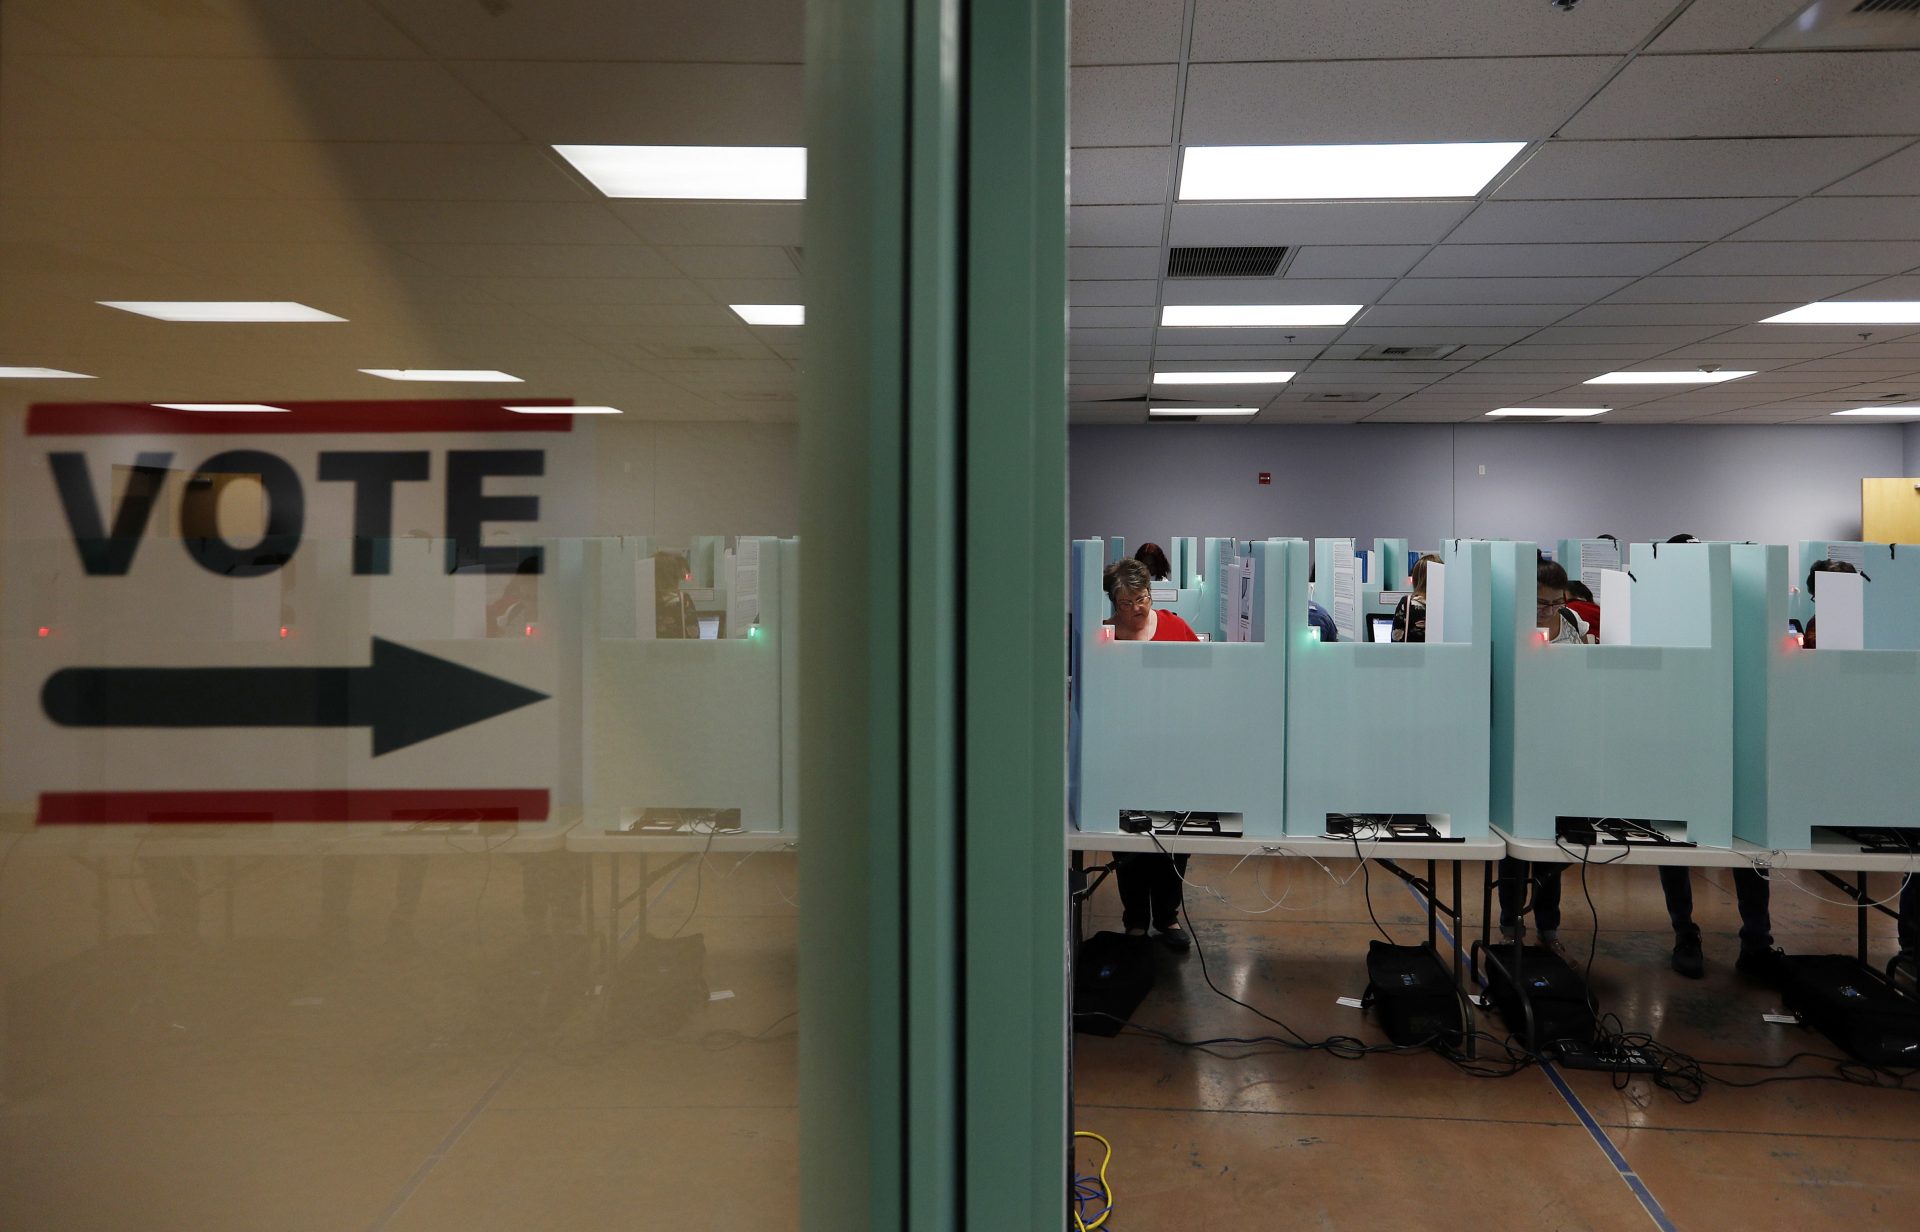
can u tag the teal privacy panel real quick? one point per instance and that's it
(1116, 548)
(1391, 563)
(1642, 731)
(683, 723)
(1178, 726)
(1824, 737)
(1393, 728)
(1216, 555)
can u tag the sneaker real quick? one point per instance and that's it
(1515, 933)
(1759, 962)
(1687, 958)
(1550, 939)
(1176, 939)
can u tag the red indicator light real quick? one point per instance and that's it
(45, 632)
(529, 630)
(283, 630)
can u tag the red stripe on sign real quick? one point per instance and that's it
(142, 419)
(97, 808)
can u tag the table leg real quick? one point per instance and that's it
(1863, 899)
(1433, 907)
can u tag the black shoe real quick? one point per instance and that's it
(1758, 962)
(1175, 938)
(1687, 959)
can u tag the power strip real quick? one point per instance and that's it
(1577, 1054)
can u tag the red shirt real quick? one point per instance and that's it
(1588, 612)
(1171, 628)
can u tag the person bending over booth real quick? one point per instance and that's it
(1555, 625)
(1159, 568)
(1150, 882)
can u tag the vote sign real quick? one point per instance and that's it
(337, 612)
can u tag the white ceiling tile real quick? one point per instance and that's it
(1603, 221)
(1115, 226)
(1407, 29)
(1601, 357)
(732, 261)
(1114, 263)
(1355, 261)
(1275, 290)
(492, 222)
(698, 223)
(586, 300)
(1836, 257)
(1725, 25)
(275, 100)
(1790, 167)
(1839, 335)
(1110, 336)
(1601, 335)
(1788, 288)
(591, 103)
(1121, 175)
(543, 260)
(1904, 365)
(1902, 287)
(1253, 353)
(343, 28)
(1092, 293)
(1727, 352)
(1401, 100)
(1141, 353)
(755, 291)
(1547, 260)
(1143, 316)
(1502, 290)
(1435, 335)
(398, 170)
(1127, 31)
(1898, 175)
(1675, 314)
(1840, 218)
(1130, 105)
(1462, 314)
(586, 30)
(1778, 95)
(1394, 223)
(1249, 340)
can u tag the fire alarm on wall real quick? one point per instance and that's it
(1266, 477)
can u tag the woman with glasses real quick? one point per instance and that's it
(1150, 882)
(1130, 589)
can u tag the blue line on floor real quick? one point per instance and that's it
(1648, 1202)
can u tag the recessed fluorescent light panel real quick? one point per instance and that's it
(221, 310)
(565, 410)
(1898, 412)
(245, 408)
(771, 314)
(1341, 172)
(1222, 378)
(1256, 316)
(41, 374)
(1856, 312)
(693, 172)
(1547, 412)
(446, 375)
(1691, 376)
(1204, 410)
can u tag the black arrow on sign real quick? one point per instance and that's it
(405, 696)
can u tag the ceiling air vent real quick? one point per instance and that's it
(1887, 6)
(1173, 419)
(1340, 397)
(1407, 352)
(1237, 262)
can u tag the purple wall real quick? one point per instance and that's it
(1541, 481)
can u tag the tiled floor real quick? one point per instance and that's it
(1269, 1137)
(482, 1080)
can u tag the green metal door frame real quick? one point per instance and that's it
(933, 519)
